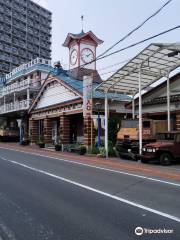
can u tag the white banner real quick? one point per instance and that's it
(95, 121)
(87, 96)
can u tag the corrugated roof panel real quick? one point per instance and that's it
(155, 61)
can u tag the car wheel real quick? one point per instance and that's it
(165, 159)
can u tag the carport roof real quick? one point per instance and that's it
(155, 61)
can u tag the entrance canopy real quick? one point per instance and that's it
(154, 62)
(150, 65)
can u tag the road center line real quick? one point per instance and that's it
(134, 204)
(97, 167)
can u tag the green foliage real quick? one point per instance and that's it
(111, 151)
(102, 151)
(82, 150)
(41, 140)
(94, 150)
(113, 129)
(102, 143)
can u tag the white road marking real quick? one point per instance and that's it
(134, 204)
(97, 167)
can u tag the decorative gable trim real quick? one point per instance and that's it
(46, 84)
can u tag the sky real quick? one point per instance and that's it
(110, 21)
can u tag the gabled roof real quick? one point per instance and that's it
(81, 35)
(76, 86)
(61, 78)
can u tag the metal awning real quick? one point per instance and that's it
(150, 65)
(155, 62)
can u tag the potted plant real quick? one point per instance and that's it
(102, 152)
(82, 150)
(58, 144)
(41, 142)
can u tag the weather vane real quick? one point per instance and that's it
(82, 22)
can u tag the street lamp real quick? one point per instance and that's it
(98, 106)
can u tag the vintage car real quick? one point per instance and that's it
(127, 144)
(165, 150)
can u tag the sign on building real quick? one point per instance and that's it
(87, 96)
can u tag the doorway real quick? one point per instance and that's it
(55, 130)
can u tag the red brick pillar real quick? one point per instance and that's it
(65, 129)
(178, 122)
(33, 131)
(87, 131)
(47, 131)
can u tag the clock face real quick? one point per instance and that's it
(87, 55)
(73, 57)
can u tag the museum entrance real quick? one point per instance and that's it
(76, 128)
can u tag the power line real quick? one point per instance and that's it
(115, 64)
(129, 34)
(135, 29)
(142, 41)
(134, 44)
(122, 49)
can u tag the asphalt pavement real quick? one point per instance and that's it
(46, 198)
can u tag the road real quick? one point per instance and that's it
(46, 198)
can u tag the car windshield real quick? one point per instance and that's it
(166, 136)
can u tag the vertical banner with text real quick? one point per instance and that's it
(87, 96)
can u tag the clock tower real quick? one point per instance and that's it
(82, 52)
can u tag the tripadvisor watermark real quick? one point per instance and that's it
(140, 231)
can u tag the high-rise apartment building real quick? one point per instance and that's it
(25, 33)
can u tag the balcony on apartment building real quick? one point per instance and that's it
(20, 86)
(21, 83)
(14, 82)
(15, 106)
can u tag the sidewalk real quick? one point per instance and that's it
(149, 170)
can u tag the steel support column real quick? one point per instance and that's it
(140, 113)
(133, 108)
(168, 104)
(106, 124)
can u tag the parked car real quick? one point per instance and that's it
(165, 150)
(128, 135)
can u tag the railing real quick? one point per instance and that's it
(28, 65)
(44, 63)
(12, 107)
(19, 86)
